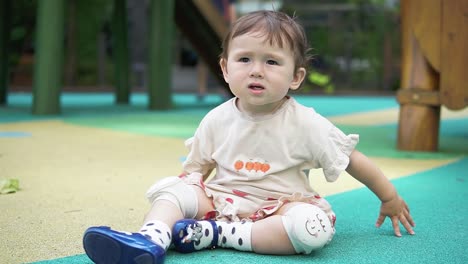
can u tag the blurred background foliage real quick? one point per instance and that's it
(356, 43)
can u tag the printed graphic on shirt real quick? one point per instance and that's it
(252, 168)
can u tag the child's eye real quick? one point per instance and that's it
(272, 62)
(244, 59)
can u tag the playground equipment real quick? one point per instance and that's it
(434, 68)
(199, 20)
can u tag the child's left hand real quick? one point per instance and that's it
(398, 211)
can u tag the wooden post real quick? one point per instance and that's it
(454, 65)
(418, 128)
(5, 27)
(121, 54)
(161, 39)
(49, 55)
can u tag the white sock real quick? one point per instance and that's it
(158, 232)
(235, 235)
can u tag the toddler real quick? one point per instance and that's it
(262, 143)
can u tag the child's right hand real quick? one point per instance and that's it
(398, 212)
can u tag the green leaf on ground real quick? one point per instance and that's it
(9, 186)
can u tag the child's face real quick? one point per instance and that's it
(260, 74)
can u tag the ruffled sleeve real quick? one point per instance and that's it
(336, 151)
(200, 148)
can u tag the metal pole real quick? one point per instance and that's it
(48, 67)
(121, 53)
(161, 40)
(5, 27)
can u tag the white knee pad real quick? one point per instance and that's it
(175, 190)
(308, 228)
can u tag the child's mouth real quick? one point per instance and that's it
(256, 87)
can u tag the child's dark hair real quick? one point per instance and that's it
(279, 29)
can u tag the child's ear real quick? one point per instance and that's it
(223, 65)
(298, 78)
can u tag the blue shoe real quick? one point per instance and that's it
(106, 246)
(189, 235)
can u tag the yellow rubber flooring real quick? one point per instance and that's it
(73, 177)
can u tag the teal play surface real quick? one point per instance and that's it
(437, 197)
(99, 110)
(438, 201)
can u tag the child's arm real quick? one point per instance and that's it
(393, 206)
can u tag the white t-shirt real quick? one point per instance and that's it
(261, 160)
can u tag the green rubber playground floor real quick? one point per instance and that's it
(91, 165)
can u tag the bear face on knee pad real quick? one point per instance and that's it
(308, 227)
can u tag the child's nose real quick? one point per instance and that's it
(256, 71)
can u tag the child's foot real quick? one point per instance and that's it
(189, 235)
(103, 245)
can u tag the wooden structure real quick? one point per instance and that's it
(199, 20)
(434, 68)
(204, 26)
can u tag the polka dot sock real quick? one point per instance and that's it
(158, 232)
(204, 234)
(235, 235)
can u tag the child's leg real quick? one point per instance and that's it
(296, 228)
(266, 236)
(159, 221)
(270, 237)
(164, 213)
(191, 235)
(171, 200)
